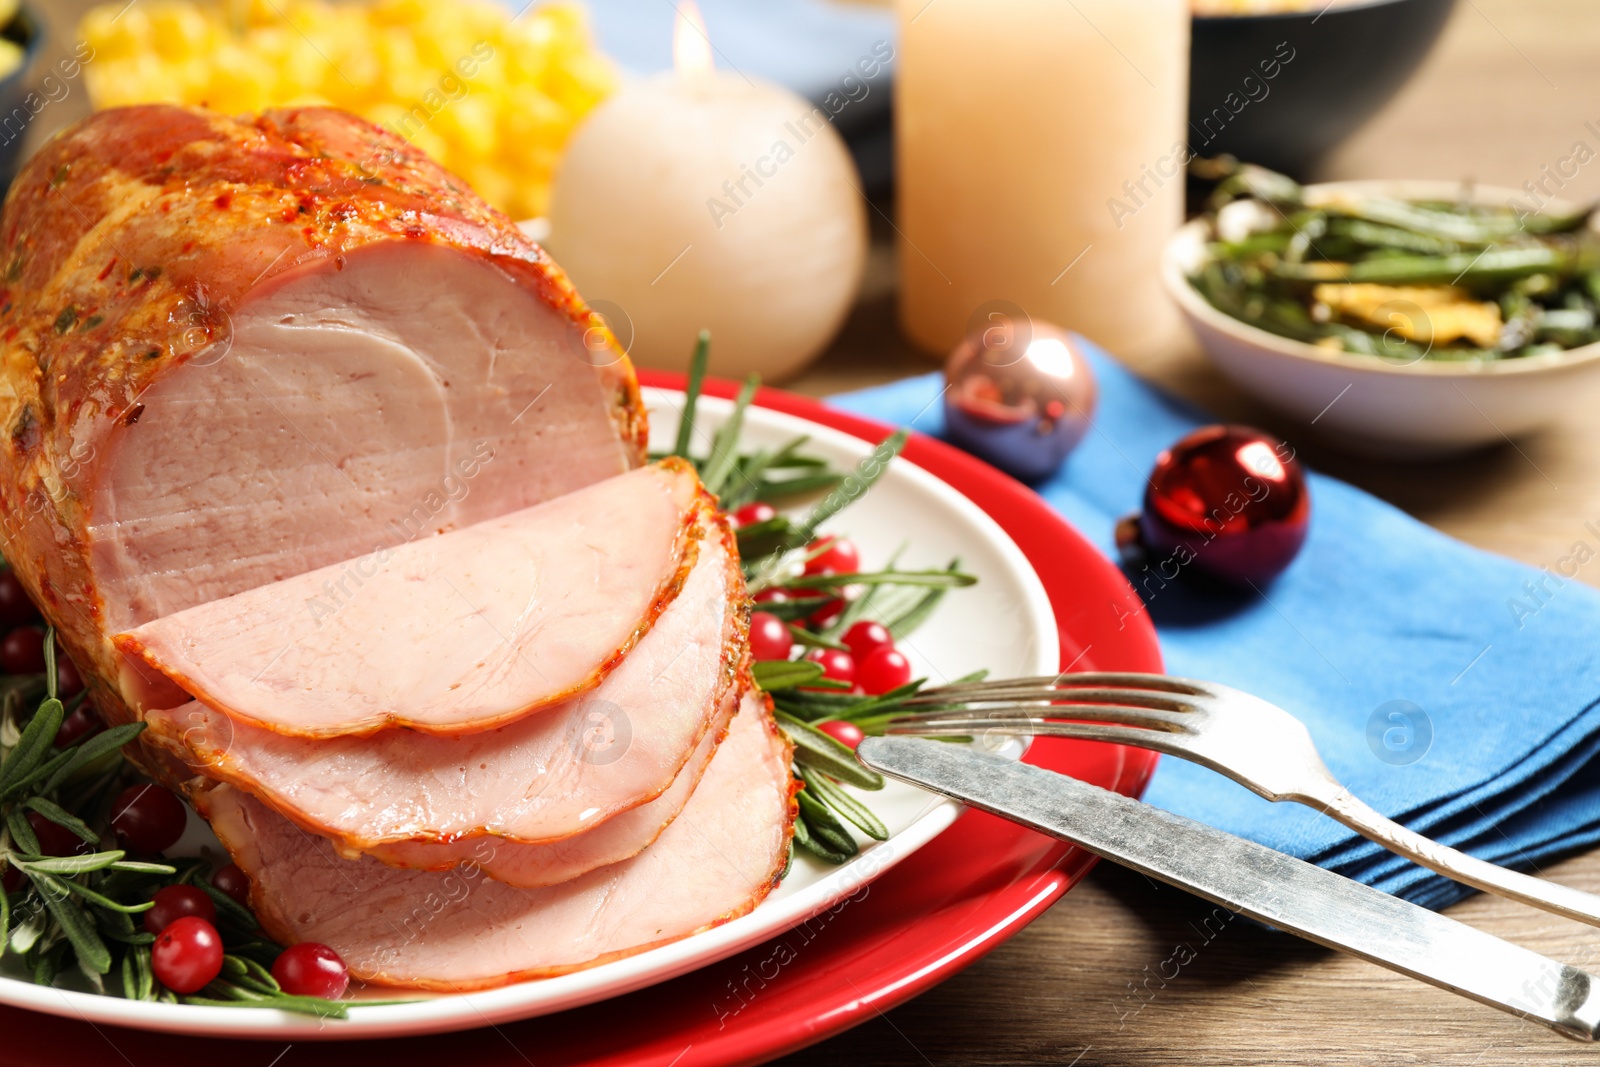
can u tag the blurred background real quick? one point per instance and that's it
(1505, 90)
(1482, 92)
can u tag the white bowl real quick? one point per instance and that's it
(1371, 405)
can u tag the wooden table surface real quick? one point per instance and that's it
(1508, 90)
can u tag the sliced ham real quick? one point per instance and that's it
(459, 930)
(241, 349)
(449, 634)
(612, 841)
(544, 777)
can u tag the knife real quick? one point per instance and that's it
(1253, 880)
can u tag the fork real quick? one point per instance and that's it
(1257, 744)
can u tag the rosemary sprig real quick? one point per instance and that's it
(79, 908)
(773, 552)
(691, 396)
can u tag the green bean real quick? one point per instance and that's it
(1591, 282)
(1460, 268)
(1247, 179)
(1308, 227)
(1521, 319)
(1254, 245)
(1377, 236)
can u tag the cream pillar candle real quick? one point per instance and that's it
(705, 199)
(1039, 158)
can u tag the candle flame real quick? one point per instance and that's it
(691, 47)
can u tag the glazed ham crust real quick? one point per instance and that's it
(129, 248)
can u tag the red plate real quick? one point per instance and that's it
(957, 898)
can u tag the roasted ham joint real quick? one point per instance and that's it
(314, 464)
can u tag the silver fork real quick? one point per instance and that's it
(1257, 744)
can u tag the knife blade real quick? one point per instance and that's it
(1253, 880)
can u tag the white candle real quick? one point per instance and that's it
(1040, 163)
(704, 199)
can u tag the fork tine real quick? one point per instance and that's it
(1120, 679)
(1155, 740)
(1158, 719)
(1138, 698)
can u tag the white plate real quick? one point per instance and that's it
(1003, 624)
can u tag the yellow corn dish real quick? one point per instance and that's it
(491, 97)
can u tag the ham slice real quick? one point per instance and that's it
(449, 634)
(241, 349)
(544, 777)
(458, 930)
(613, 841)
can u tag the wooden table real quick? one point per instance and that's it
(1509, 89)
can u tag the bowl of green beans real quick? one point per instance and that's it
(1398, 318)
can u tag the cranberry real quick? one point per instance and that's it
(838, 556)
(15, 607)
(864, 638)
(882, 671)
(69, 683)
(311, 970)
(773, 596)
(839, 666)
(148, 818)
(824, 615)
(847, 734)
(751, 514)
(234, 882)
(187, 954)
(22, 651)
(176, 902)
(81, 725)
(54, 839)
(769, 637)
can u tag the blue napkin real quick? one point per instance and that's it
(1454, 690)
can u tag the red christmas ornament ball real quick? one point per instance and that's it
(1228, 501)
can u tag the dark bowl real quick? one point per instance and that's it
(15, 114)
(1281, 90)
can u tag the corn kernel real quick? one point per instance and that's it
(493, 99)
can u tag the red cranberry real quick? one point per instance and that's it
(69, 683)
(22, 651)
(827, 613)
(837, 556)
(751, 514)
(882, 671)
(769, 637)
(839, 666)
(864, 638)
(80, 725)
(773, 596)
(16, 609)
(175, 902)
(54, 839)
(847, 734)
(148, 818)
(234, 882)
(311, 970)
(187, 954)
